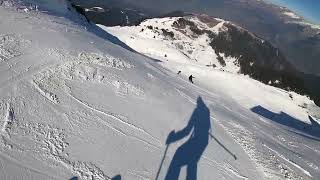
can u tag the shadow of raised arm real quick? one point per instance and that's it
(184, 132)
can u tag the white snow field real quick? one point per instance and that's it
(74, 102)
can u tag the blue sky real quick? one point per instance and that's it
(309, 9)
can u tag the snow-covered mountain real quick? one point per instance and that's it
(212, 42)
(75, 102)
(165, 39)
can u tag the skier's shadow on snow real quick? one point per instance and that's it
(311, 131)
(190, 152)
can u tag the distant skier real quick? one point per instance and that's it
(179, 72)
(190, 78)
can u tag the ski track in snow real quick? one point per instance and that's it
(11, 46)
(225, 167)
(8, 120)
(234, 171)
(111, 115)
(48, 95)
(24, 75)
(289, 161)
(50, 144)
(18, 163)
(185, 96)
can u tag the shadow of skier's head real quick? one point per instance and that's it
(190, 152)
(200, 119)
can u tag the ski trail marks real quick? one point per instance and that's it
(140, 131)
(8, 121)
(289, 161)
(11, 46)
(29, 168)
(48, 95)
(224, 167)
(185, 96)
(49, 144)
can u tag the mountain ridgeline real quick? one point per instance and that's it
(110, 16)
(256, 57)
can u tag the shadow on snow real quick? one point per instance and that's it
(190, 152)
(311, 131)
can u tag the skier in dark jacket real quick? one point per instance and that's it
(190, 78)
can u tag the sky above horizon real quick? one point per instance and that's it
(308, 9)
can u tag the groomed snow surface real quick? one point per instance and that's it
(73, 104)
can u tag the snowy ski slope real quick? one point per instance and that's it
(74, 102)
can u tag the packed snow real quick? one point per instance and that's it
(75, 103)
